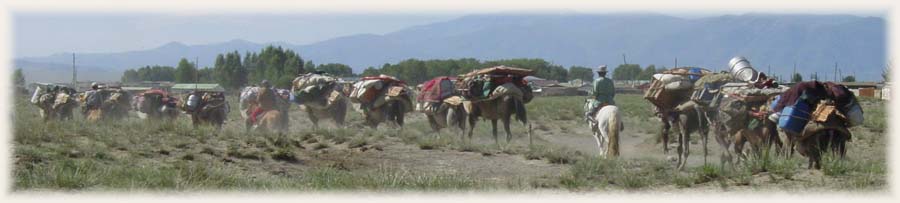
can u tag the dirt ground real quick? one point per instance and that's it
(556, 124)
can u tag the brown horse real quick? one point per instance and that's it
(115, 106)
(272, 120)
(447, 115)
(393, 111)
(57, 106)
(686, 122)
(500, 108)
(212, 113)
(156, 109)
(332, 104)
(687, 117)
(731, 126)
(818, 137)
(269, 120)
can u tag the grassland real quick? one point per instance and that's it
(140, 155)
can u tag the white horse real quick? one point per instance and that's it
(606, 124)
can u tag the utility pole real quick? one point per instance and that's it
(835, 72)
(74, 74)
(196, 72)
(623, 60)
(795, 71)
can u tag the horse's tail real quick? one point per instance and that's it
(521, 114)
(613, 132)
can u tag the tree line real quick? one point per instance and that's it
(415, 71)
(278, 65)
(233, 70)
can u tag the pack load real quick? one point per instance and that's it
(399, 92)
(436, 90)
(311, 81)
(201, 100)
(433, 93)
(672, 87)
(741, 69)
(366, 90)
(151, 100)
(375, 91)
(706, 89)
(248, 95)
(36, 95)
(486, 83)
(795, 117)
(817, 102)
(93, 98)
(312, 87)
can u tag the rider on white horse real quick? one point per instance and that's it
(602, 92)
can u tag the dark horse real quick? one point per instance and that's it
(392, 111)
(447, 115)
(213, 111)
(331, 103)
(499, 108)
(687, 118)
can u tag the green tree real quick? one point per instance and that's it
(647, 73)
(849, 78)
(130, 75)
(149, 73)
(797, 78)
(581, 72)
(370, 71)
(19, 78)
(185, 72)
(627, 72)
(336, 69)
(309, 67)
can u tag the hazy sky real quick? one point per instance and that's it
(41, 34)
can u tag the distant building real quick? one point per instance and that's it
(183, 88)
(540, 82)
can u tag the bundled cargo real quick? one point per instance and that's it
(499, 70)
(795, 117)
(673, 81)
(309, 87)
(741, 69)
(365, 91)
(432, 94)
(437, 89)
(482, 83)
(247, 96)
(672, 87)
(303, 82)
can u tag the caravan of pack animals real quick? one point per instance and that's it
(380, 132)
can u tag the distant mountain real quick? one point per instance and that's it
(814, 42)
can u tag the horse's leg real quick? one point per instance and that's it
(704, 132)
(720, 135)
(598, 137)
(312, 118)
(432, 122)
(664, 131)
(494, 131)
(472, 120)
(506, 128)
(686, 137)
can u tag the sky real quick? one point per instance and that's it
(42, 33)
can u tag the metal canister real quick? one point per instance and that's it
(741, 69)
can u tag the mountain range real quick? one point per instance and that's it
(815, 43)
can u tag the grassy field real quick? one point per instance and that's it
(139, 155)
